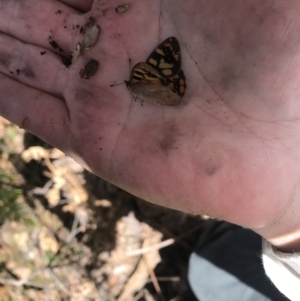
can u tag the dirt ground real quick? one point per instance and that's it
(87, 239)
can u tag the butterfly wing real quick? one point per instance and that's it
(177, 83)
(157, 94)
(166, 57)
(160, 79)
(144, 73)
(148, 85)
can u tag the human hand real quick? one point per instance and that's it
(230, 150)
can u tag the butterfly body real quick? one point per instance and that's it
(159, 80)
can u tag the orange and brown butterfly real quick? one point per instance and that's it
(160, 79)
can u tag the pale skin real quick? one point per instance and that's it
(231, 150)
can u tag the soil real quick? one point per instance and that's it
(85, 232)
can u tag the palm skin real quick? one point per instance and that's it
(230, 150)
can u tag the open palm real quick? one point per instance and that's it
(230, 150)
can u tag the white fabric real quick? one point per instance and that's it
(210, 283)
(283, 269)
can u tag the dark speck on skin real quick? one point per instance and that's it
(55, 45)
(5, 60)
(67, 61)
(167, 143)
(228, 77)
(43, 52)
(169, 138)
(211, 160)
(84, 94)
(210, 38)
(28, 73)
(210, 168)
(89, 69)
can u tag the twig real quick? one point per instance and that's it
(161, 245)
(141, 272)
(153, 279)
(24, 282)
(156, 247)
(58, 282)
(21, 282)
(166, 279)
(75, 230)
(42, 190)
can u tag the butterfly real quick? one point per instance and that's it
(159, 80)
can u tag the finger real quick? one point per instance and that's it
(32, 65)
(80, 5)
(48, 24)
(40, 113)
